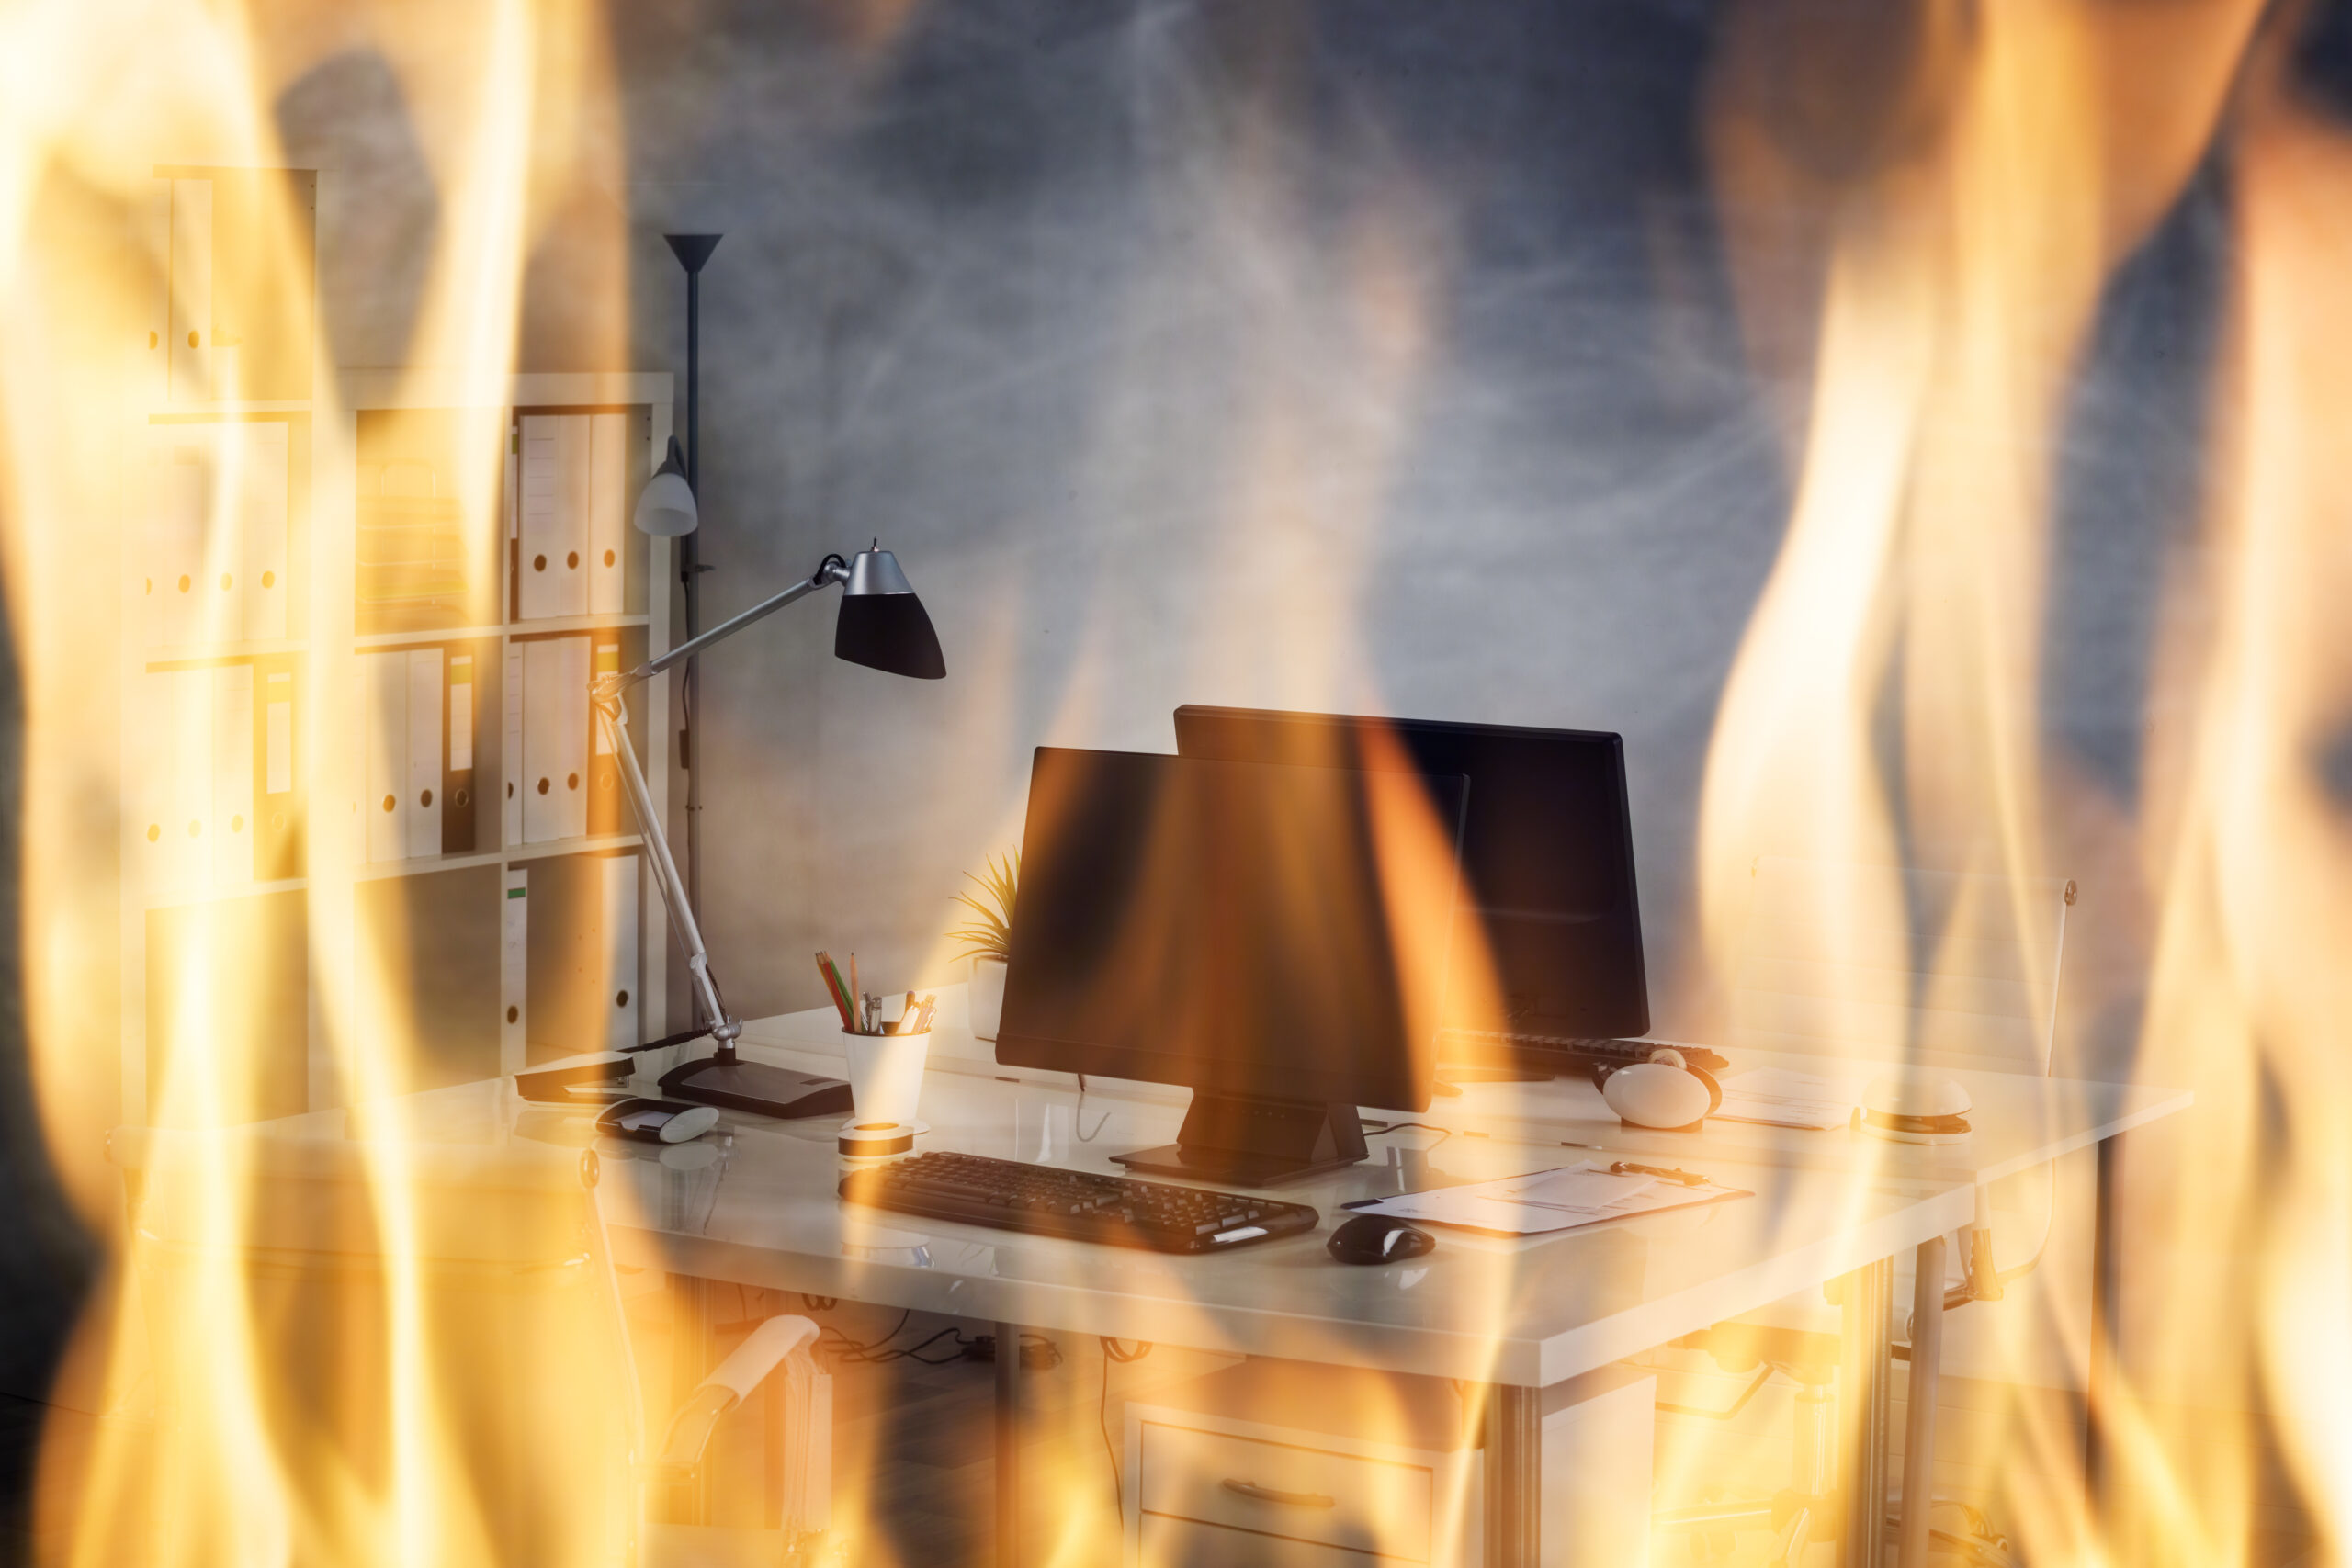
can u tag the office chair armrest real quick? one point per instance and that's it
(730, 1384)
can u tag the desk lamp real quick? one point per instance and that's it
(882, 625)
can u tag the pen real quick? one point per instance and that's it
(1627, 1167)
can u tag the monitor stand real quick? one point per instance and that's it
(1242, 1141)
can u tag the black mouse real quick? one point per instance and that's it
(1377, 1238)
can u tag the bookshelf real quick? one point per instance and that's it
(324, 849)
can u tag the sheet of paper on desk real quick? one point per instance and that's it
(1530, 1206)
(1778, 1098)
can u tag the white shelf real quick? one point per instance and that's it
(426, 866)
(572, 624)
(165, 412)
(429, 638)
(214, 653)
(222, 895)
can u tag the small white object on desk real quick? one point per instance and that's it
(1778, 1098)
(1659, 1093)
(1916, 1108)
(1547, 1200)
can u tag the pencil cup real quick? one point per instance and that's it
(885, 1074)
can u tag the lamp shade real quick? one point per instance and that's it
(665, 507)
(882, 624)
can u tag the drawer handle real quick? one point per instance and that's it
(1268, 1494)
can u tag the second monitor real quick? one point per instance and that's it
(1273, 937)
(1547, 853)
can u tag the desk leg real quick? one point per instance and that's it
(1514, 1476)
(690, 1335)
(1862, 1377)
(2106, 1277)
(1920, 1413)
(1008, 1445)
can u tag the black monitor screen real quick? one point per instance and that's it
(1269, 932)
(1547, 855)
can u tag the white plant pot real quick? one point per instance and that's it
(885, 1074)
(987, 996)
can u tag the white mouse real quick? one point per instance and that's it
(1916, 1107)
(1658, 1094)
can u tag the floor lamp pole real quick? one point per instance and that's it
(693, 251)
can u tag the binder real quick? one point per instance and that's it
(618, 931)
(604, 768)
(554, 738)
(513, 970)
(457, 774)
(278, 845)
(552, 565)
(383, 723)
(177, 792)
(177, 492)
(153, 355)
(510, 759)
(192, 369)
(607, 486)
(230, 827)
(421, 756)
(266, 482)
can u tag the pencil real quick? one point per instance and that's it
(856, 993)
(825, 973)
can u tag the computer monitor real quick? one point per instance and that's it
(1547, 856)
(1271, 937)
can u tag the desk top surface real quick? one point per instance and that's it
(755, 1204)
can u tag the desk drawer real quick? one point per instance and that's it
(1291, 1491)
(1185, 1543)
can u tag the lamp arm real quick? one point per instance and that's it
(612, 718)
(832, 569)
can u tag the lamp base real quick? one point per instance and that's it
(757, 1087)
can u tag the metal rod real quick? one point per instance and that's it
(1008, 1445)
(690, 574)
(612, 719)
(1862, 1379)
(1514, 1476)
(1920, 1413)
(761, 610)
(2106, 1277)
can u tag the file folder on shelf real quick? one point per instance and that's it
(509, 758)
(551, 577)
(619, 928)
(213, 774)
(422, 758)
(231, 829)
(457, 774)
(513, 970)
(604, 768)
(555, 737)
(213, 549)
(383, 721)
(607, 489)
(278, 845)
(194, 371)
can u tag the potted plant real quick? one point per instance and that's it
(988, 939)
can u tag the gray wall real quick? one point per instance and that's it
(1374, 356)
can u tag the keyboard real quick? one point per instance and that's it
(1041, 1199)
(1475, 1042)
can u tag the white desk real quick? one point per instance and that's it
(1519, 1316)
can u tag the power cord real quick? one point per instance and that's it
(1111, 1352)
(1375, 1129)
